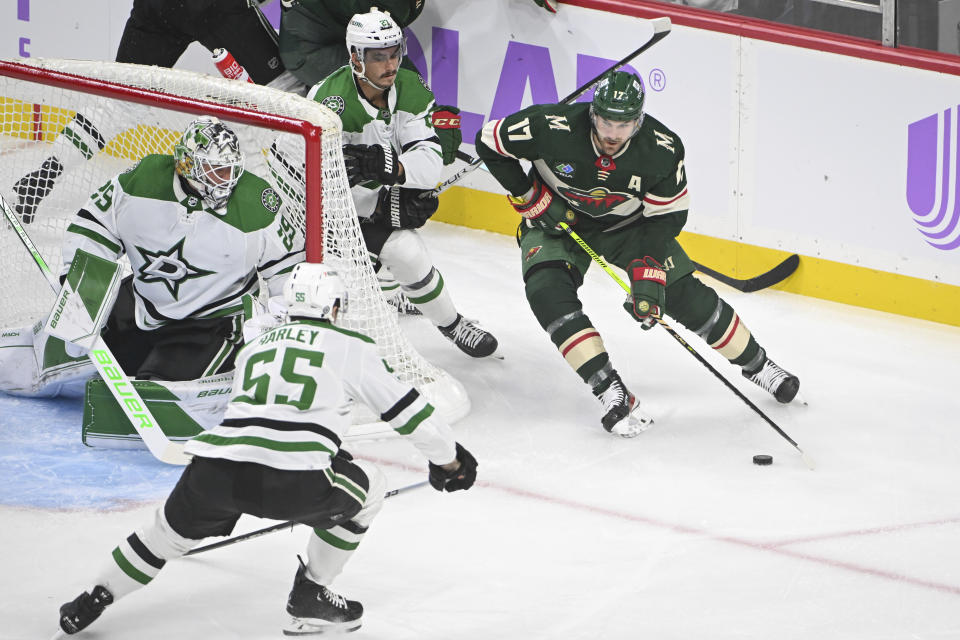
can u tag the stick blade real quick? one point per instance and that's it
(174, 454)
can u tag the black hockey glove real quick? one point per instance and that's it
(400, 208)
(648, 281)
(544, 209)
(375, 162)
(446, 124)
(462, 478)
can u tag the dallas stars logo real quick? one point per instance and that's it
(168, 267)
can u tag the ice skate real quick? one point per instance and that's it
(402, 304)
(77, 614)
(622, 415)
(34, 187)
(470, 338)
(315, 609)
(771, 377)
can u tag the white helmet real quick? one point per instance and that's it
(373, 30)
(208, 156)
(314, 290)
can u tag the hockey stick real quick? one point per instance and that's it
(661, 28)
(110, 370)
(676, 336)
(763, 281)
(284, 525)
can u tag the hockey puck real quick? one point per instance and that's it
(762, 459)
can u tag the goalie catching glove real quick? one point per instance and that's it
(648, 281)
(542, 208)
(446, 124)
(376, 162)
(404, 208)
(462, 477)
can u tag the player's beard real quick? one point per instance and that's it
(608, 146)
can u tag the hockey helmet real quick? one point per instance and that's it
(619, 96)
(314, 290)
(372, 30)
(208, 157)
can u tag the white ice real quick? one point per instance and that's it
(570, 533)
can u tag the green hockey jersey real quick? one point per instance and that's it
(645, 179)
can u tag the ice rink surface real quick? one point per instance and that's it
(569, 533)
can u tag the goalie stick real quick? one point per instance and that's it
(661, 28)
(109, 369)
(284, 525)
(765, 280)
(676, 336)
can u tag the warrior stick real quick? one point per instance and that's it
(661, 27)
(765, 280)
(109, 369)
(676, 336)
(283, 525)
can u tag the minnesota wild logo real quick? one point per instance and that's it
(599, 199)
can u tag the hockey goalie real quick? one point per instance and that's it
(201, 236)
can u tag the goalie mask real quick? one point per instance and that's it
(314, 290)
(368, 31)
(208, 157)
(619, 98)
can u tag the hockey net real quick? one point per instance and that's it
(98, 118)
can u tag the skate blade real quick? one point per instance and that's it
(314, 626)
(636, 423)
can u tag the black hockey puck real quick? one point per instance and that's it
(762, 459)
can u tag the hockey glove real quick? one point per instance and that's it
(648, 281)
(543, 209)
(400, 208)
(462, 478)
(366, 162)
(446, 124)
(549, 5)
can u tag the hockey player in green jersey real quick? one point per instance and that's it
(277, 454)
(617, 176)
(199, 232)
(393, 158)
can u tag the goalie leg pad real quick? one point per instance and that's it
(184, 409)
(36, 365)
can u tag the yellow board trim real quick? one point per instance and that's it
(815, 277)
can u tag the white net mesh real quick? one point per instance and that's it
(93, 137)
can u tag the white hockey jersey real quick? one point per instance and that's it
(188, 261)
(290, 399)
(404, 125)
